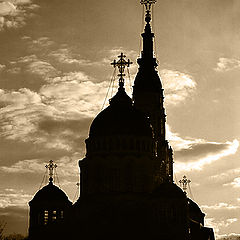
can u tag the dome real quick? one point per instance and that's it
(49, 194)
(193, 207)
(168, 189)
(120, 118)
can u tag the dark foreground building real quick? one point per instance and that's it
(126, 178)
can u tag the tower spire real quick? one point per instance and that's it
(51, 166)
(148, 98)
(148, 5)
(121, 64)
(147, 35)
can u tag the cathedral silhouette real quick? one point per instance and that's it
(126, 178)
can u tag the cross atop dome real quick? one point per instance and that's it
(184, 182)
(148, 4)
(121, 64)
(51, 166)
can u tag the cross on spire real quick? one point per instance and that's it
(51, 166)
(184, 182)
(148, 4)
(121, 64)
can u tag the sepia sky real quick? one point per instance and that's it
(54, 75)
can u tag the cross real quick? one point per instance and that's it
(148, 4)
(50, 168)
(184, 182)
(121, 64)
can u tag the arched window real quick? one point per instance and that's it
(54, 215)
(61, 214)
(45, 217)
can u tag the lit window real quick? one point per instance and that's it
(45, 217)
(54, 215)
(61, 215)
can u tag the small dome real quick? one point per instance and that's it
(171, 190)
(50, 193)
(120, 118)
(194, 209)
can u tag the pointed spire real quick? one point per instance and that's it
(51, 166)
(121, 64)
(148, 36)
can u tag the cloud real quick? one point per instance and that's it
(67, 171)
(14, 198)
(193, 154)
(210, 152)
(178, 86)
(201, 149)
(227, 64)
(222, 216)
(231, 236)
(111, 54)
(73, 77)
(75, 95)
(66, 56)
(43, 42)
(220, 206)
(20, 110)
(63, 100)
(227, 177)
(20, 97)
(235, 183)
(219, 225)
(13, 14)
(7, 8)
(25, 166)
(2, 67)
(33, 65)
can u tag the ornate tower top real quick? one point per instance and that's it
(148, 4)
(121, 64)
(51, 166)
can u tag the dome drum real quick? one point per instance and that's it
(122, 144)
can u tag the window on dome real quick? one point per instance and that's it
(45, 217)
(54, 215)
(61, 214)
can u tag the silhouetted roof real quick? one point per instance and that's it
(50, 194)
(120, 118)
(168, 189)
(193, 207)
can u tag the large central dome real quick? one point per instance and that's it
(120, 118)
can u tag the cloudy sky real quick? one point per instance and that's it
(54, 76)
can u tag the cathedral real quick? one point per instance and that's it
(126, 178)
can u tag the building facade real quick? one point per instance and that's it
(126, 178)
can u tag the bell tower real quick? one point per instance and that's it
(148, 98)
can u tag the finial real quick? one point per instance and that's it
(148, 4)
(121, 64)
(50, 168)
(184, 182)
